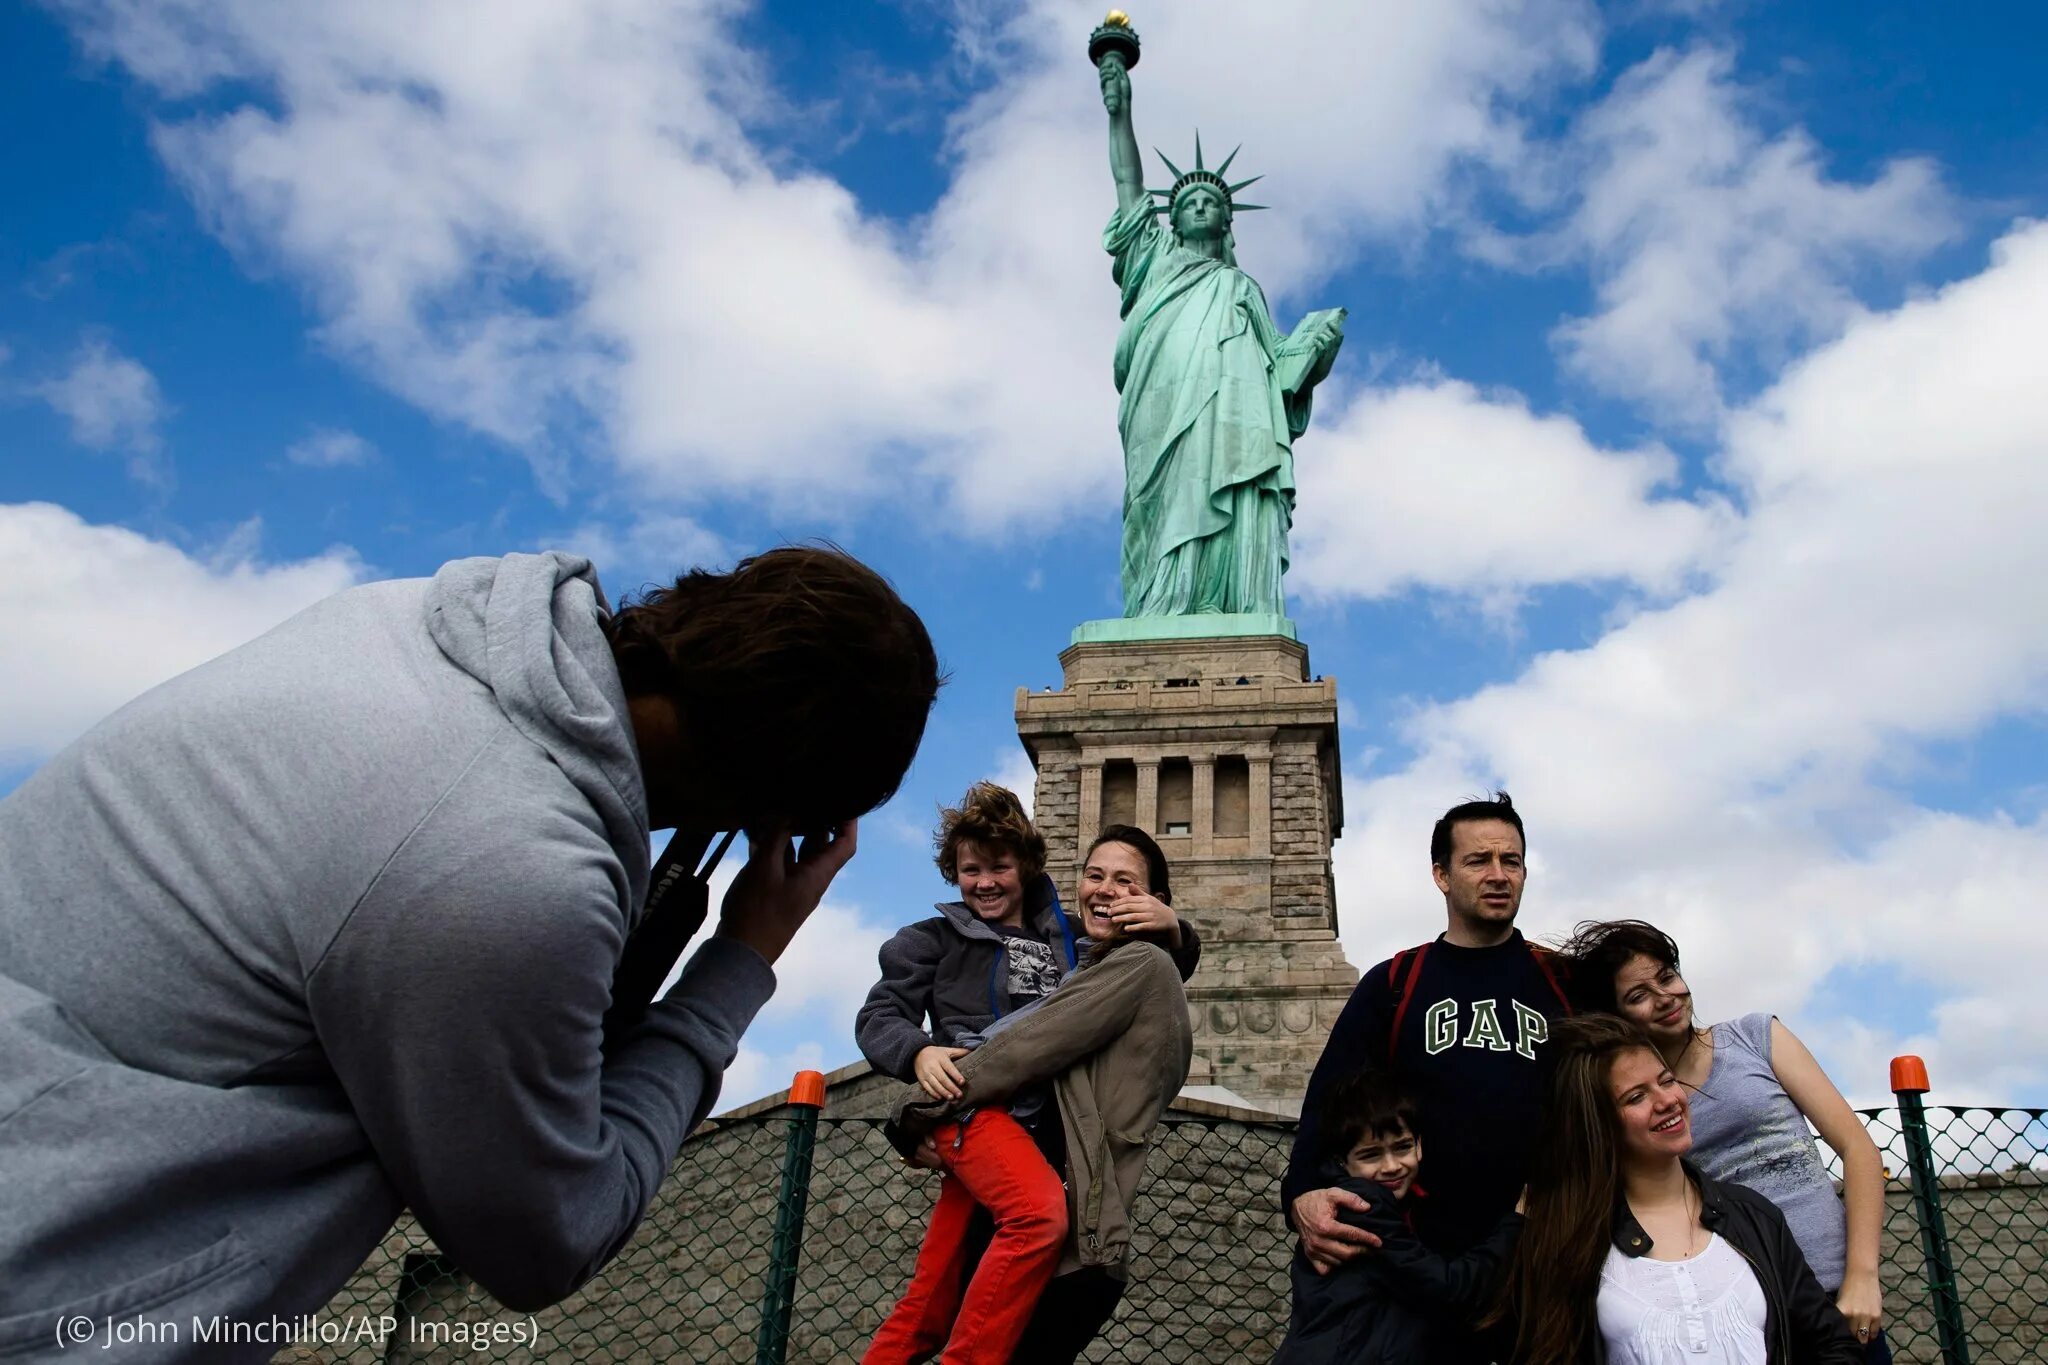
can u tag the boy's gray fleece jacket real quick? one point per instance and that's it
(326, 928)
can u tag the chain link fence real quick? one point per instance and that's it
(701, 1280)
(1984, 1297)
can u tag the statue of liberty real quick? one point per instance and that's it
(1213, 393)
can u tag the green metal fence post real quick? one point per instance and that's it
(1909, 1083)
(778, 1294)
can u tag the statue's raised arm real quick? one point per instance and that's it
(1126, 163)
(1113, 47)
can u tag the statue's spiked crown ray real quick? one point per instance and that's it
(1186, 180)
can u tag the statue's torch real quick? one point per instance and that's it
(1114, 36)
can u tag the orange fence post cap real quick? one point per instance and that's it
(1909, 1075)
(808, 1088)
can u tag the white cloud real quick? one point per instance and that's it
(1951, 900)
(113, 403)
(330, 448)
(825, 974)
(1014, 769)
(97, 614)
(757, 1073)
(820, 982)
(1713, 244)
(652, 547)
(1728, 765)
(1437, 486)
(531, 217)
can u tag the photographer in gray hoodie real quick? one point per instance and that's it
(331, 926)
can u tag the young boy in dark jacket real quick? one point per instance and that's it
(1384, 1307)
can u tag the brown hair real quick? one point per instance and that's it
(1600, 948)
(1375, 1103)
(1553, 1278)
(802, 679)
(993, 817)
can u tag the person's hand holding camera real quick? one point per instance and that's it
(781, 884)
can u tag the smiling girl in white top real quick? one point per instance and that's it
(1630, 1256)
(1755, 1088)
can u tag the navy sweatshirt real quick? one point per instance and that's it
(1468, 1047)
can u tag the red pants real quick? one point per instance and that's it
(990, 1161)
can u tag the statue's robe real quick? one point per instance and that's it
(1213, 397)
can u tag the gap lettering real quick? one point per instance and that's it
(1483, 1028)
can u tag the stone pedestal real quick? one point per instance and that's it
(1226, 751)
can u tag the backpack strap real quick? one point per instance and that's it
(1542, 957)
(1411, 959)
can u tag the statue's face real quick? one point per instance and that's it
(1199, 215)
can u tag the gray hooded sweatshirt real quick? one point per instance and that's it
(326, 928)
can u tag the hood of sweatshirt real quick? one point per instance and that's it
(530, 628)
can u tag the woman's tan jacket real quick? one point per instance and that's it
(1115, 1041)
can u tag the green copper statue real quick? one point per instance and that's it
(1213, 393)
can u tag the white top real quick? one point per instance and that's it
(1705, 1311)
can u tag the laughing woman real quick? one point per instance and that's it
(1755, 1088)
(1630, 1256)
(1105, 1054)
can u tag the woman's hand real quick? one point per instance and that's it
(936, 1074)
(1116, 84)
(1862, 1304)
(1138, 912)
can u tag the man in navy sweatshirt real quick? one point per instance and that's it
(1462, 1020)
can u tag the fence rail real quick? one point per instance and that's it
(787, 1236)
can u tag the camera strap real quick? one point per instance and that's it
(678, 902)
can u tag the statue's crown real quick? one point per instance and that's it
(1213, 180)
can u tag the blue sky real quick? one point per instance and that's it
(1682, 469)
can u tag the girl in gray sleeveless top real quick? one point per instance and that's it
(1746, 1129)
(1757, 1096)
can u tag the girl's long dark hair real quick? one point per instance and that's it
(1553, 1279)
(1600, 948)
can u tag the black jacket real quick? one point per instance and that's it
(1801, 1323)
(1386, 1307)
